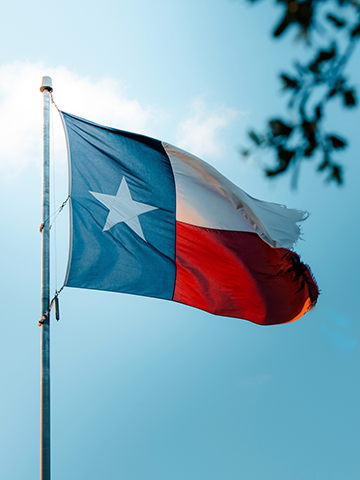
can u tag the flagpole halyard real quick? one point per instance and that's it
(46, 89)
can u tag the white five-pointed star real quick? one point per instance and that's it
(122, 208)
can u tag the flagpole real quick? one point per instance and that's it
(45, 88)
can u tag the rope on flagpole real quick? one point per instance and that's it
(59, 210)
(53, 217)
(56, 213)
(53, 101)
(54, 301)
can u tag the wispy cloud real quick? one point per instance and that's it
(199, 133)
(104, 101)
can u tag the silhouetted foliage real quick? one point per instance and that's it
(311, 87)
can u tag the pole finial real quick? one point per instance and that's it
(46, 84)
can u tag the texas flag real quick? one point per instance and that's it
(150, 219)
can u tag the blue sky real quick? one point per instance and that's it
(143, 388)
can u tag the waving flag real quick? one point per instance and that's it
(150, 219)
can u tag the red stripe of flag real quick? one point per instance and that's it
(237, 274)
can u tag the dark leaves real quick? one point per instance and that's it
(318, 112)
(324, 164)
(300, 13)
(338, 22)
(311, 88)
(349, 98)
(255, 138)
(336, 171)
(326, 55)
(280, 129)
(290, 82)
(284, 158)
(310, 149)
(336, 142)
(280, 29)
(355, 32)
(309, 132)
(323, 56)
(338, 86)
(348, 94)
(309, 129)
(285, 155)
(336, 174)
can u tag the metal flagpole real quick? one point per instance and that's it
(46, 88)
